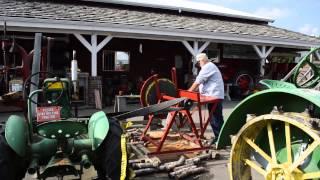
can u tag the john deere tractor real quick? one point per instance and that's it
(53, 142)
(275, 133)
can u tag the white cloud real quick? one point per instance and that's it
(273, 13)
(309, 29)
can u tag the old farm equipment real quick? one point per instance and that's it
(275, 133)
(54, 142)
(156, 90)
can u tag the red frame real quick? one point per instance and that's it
(197, 134)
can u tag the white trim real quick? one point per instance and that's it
(94, 55)
(61, 26)
(264, 51)
(263, 54)
(103, 43)
(204, 46)
(189, 48)
(93, 48)
(258, 51)
(194, 51)
(83, 41)
(269, 51)
(195, 47)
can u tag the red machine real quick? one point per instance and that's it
(156, 90)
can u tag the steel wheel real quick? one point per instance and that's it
(260, 148)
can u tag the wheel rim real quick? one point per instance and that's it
(255, 148)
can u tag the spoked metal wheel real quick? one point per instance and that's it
(276, 147)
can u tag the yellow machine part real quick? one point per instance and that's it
(55, 85)
(260, 149)
(124, 157)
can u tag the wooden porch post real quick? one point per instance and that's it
(263, 53)
(194, 51)
(94, 48)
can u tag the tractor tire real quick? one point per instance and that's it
(108, 155)
(12, 166)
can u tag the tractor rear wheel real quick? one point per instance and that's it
(11, 165)
(109, 154)
(276, 146)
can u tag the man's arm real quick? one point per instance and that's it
(194, 86)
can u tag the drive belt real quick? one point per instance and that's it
(163, 106)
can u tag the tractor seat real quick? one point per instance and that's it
(61, 129)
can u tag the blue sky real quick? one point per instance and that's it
(297, 15)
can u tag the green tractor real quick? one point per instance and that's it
(53, 142)
(275, 133)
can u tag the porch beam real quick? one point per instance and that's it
(94, 48)
(269, 51)
(83, 41)
(189, 48)
(204, 46)
(103, 43)
(263, 53)
(195, 50)
(94, 55)
(258, 51)
(195, 47)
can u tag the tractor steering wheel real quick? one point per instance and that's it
(27, 85)
(306, 74)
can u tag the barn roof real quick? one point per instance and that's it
(118, 20)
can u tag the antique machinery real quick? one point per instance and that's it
(53, 142)
(274, 133)
(156, 90)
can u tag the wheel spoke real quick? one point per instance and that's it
(258, 150)
(271, 143)
(311, 175)
(304, 155)
(255, 167)
(288, 142)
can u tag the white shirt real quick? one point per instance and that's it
(210, 80)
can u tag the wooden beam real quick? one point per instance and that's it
(103, 43)
(83, 41)
(204, 46)
(189, 48)
(263, 53)
(258, 51)
(269, 51)
(94, 55)
(195, 48)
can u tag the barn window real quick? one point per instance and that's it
(115, 60)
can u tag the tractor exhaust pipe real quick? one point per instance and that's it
(85, 162)
(33, 167)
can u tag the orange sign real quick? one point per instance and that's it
(48, 113)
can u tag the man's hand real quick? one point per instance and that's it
(194, 87)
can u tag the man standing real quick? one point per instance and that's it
(210, 83)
